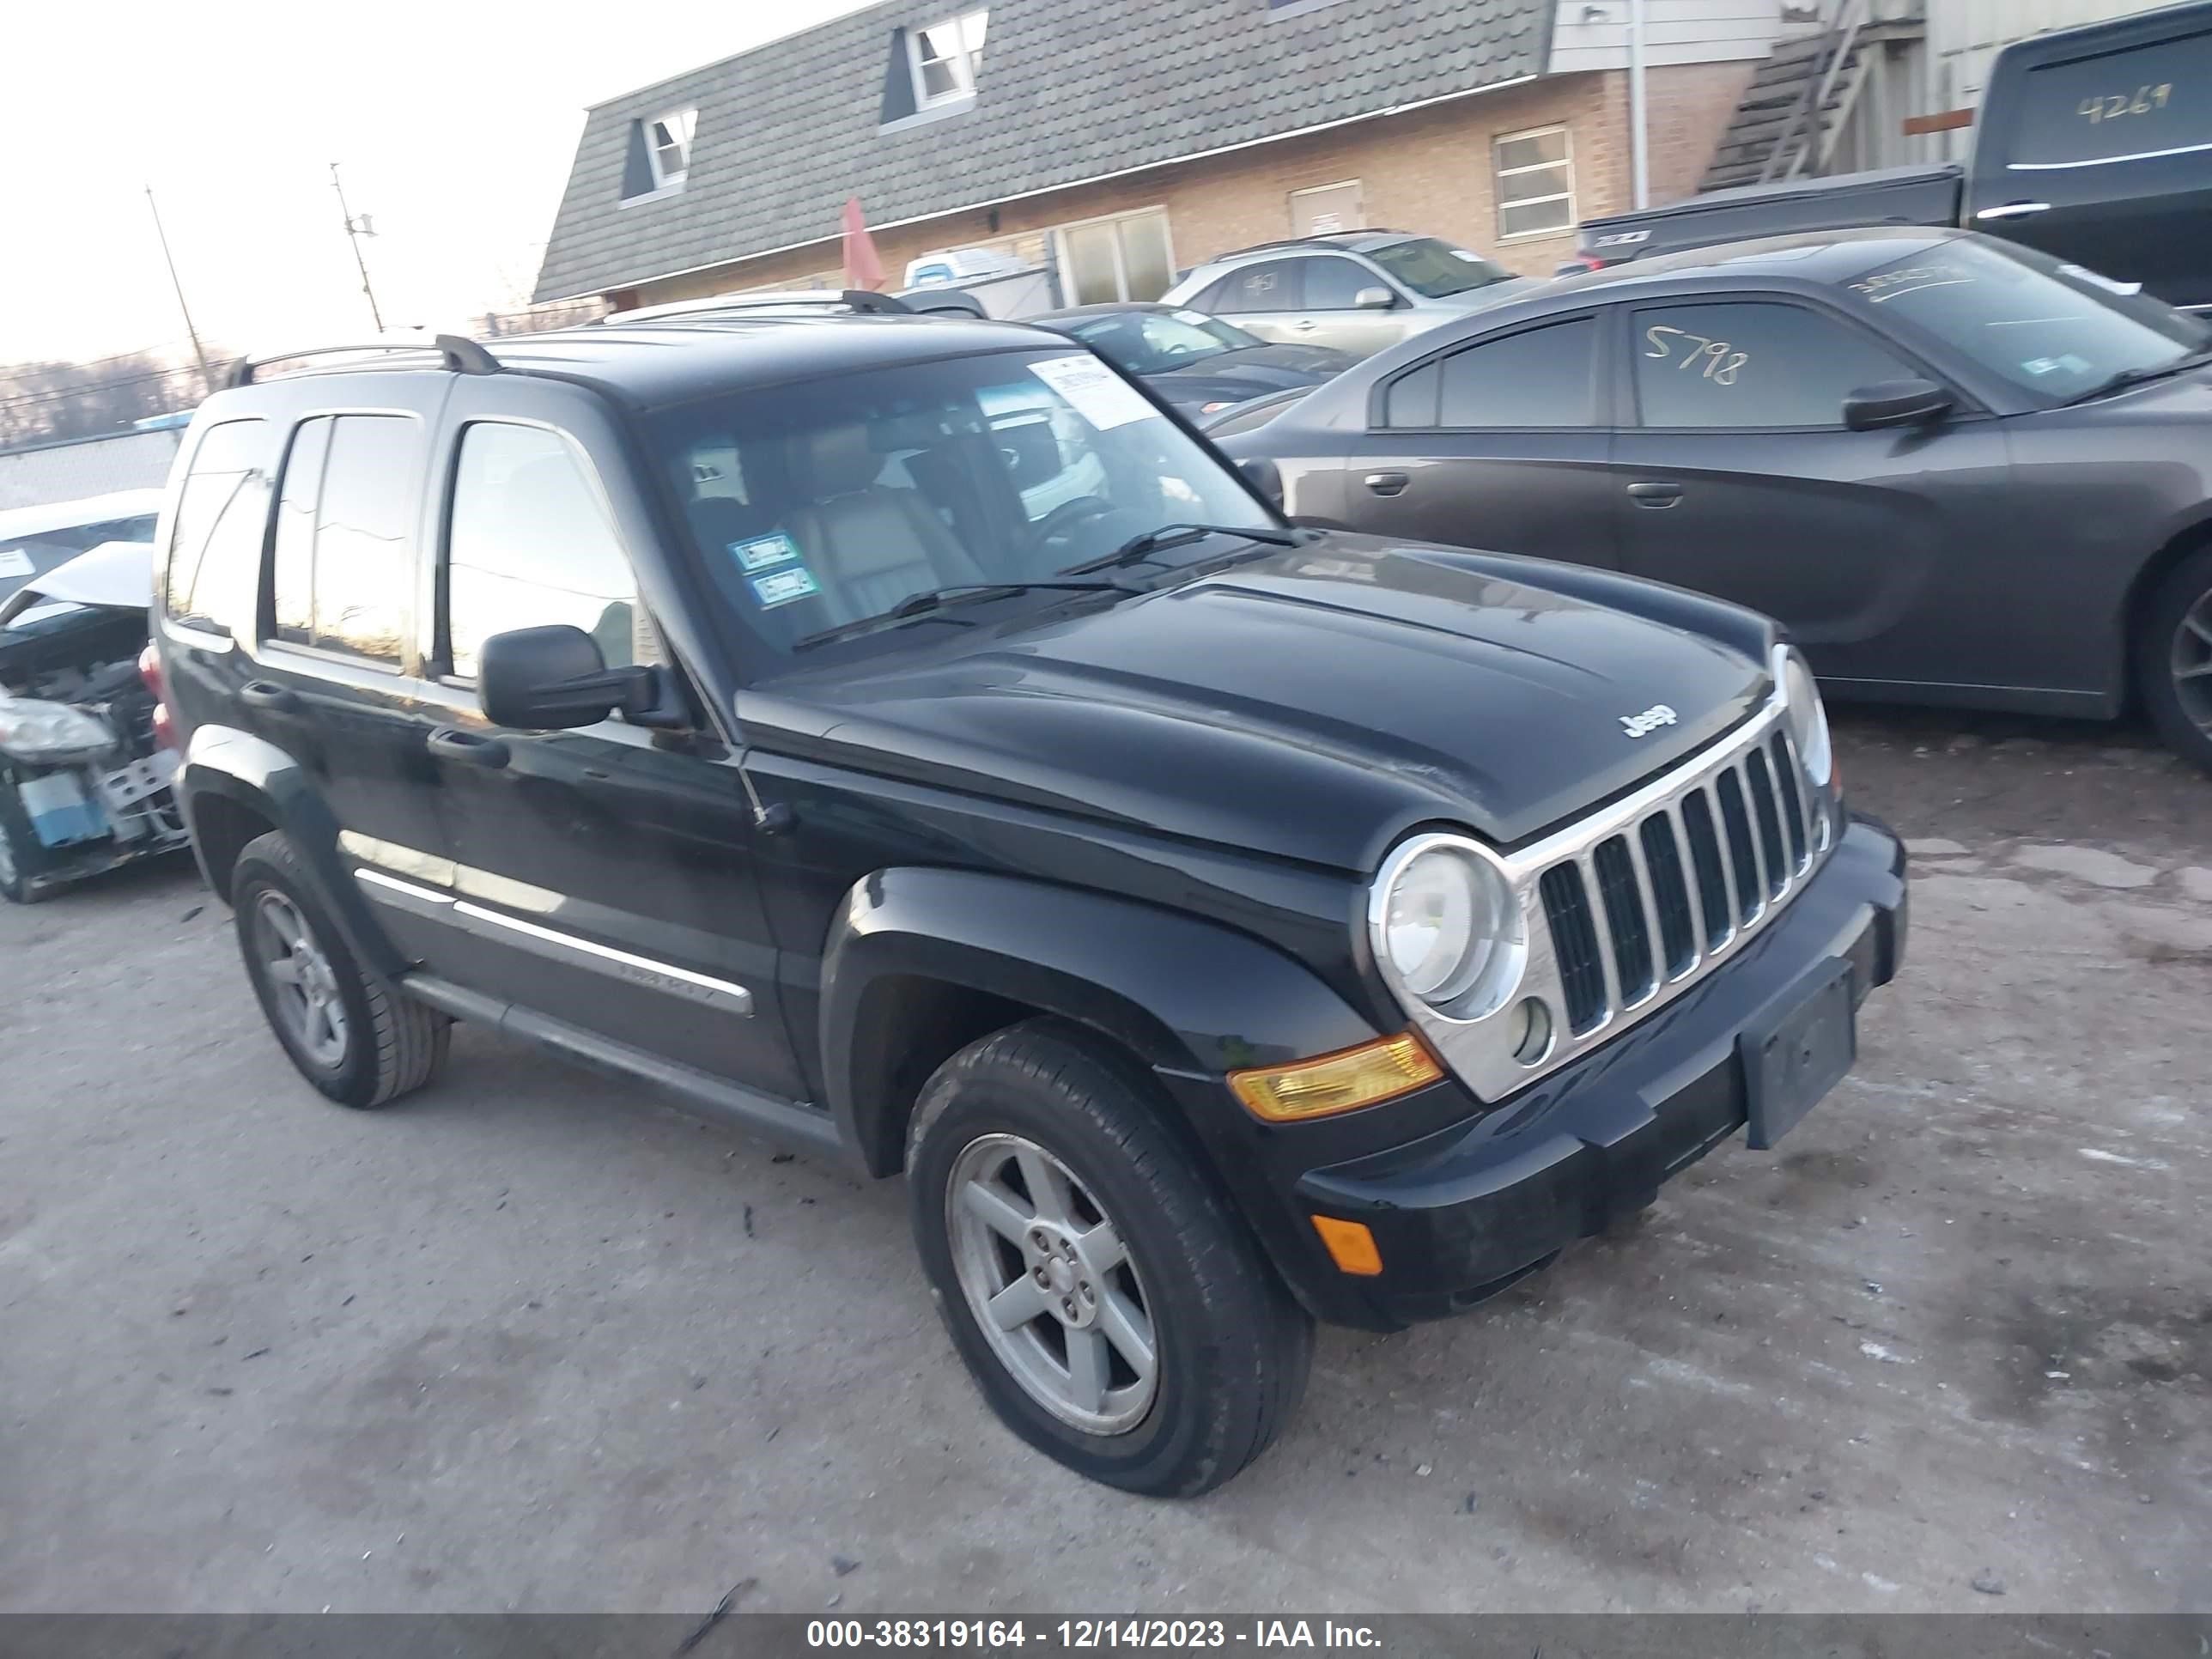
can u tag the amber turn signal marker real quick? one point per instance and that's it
(1341, 1082)
(1351, 1246)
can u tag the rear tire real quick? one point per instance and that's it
(2174, 659)
(355, 1037)
(1139, 1254)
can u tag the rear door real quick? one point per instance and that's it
(1267, 298)
(1503, 444)
(603, 877)
(2103, 157)
(332, 676)
(1741, 481)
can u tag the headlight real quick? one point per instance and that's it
(1446, 926)
(31, 729)
(1808, 720)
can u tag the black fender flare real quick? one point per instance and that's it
(224, 762)
(1182, 995)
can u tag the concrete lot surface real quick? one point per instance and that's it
(534, 1341)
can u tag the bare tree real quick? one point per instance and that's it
(42, 402)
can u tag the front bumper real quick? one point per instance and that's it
(74, 820)
(1460, 1213)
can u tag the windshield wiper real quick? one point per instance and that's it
(935, 598)
(2128, 377)
(1142, 546)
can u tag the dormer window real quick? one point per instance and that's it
(668, 147)
(945, 56)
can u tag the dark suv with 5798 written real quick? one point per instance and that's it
(905, 739)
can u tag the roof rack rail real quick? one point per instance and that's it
(1308, 241)
(852, 299)
(462, 355)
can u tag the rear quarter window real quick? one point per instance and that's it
(214, 544)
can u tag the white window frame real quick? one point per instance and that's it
(685, 122)
(964, 63)
(1499, 175)
(1059, 235)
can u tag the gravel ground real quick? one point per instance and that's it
(531, 1341)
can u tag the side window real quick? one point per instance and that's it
(1271, 285)
(1759, 364)
(222, 512)
(1411, 399)
(1331, 282)
(1540, 377)
(344, 566)
(530, 544)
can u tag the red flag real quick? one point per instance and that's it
(863, 268)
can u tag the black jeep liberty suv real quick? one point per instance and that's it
(905, 738)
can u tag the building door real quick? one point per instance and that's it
(1124, 257)
(1327, 209)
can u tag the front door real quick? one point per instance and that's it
(1741, 481)
(1499, 445)
(603, 877)
(1266, 298)
(1334, 317)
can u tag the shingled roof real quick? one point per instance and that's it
(1068, 90)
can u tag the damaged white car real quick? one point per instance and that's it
(84, 778)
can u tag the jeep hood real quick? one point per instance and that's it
(1313, 704)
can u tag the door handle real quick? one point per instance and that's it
(267, 695)
(447, 744)
(1655, 494)
(1303, 325)
(1387, 483)
(2014, 210)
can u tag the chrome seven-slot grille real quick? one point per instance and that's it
(1640, 909)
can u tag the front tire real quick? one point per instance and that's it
(1116, 1312)
(2174, 659)
(355, 1037)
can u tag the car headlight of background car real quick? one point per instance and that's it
(31, 730)
(1809, 719)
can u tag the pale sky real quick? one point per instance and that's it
(453, 124)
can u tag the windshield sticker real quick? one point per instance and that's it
(762, 551)
(784, 586)
(1461, 254)
(14, 562)
(2067, 364)
(1093, 391)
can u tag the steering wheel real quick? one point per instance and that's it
(1056, 524)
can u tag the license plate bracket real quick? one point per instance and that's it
(1794, 1058)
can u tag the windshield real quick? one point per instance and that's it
(818, 505)
(1436, 269)
(2054, 330)
(1155, 342)
(22, 557)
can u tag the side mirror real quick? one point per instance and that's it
(552, 678)
(1374, 299)
(1265, 478)
(1896, 402)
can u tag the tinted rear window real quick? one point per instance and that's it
(2153, 99)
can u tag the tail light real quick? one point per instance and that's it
(1578, 264)
(149, 669)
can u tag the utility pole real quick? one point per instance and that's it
(207, 382)
(1639, 135)
(356, 229)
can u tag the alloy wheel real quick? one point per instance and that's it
(1051, 1285)
(2191, 665)
(306, 990)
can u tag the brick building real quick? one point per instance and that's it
(1129, 139)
